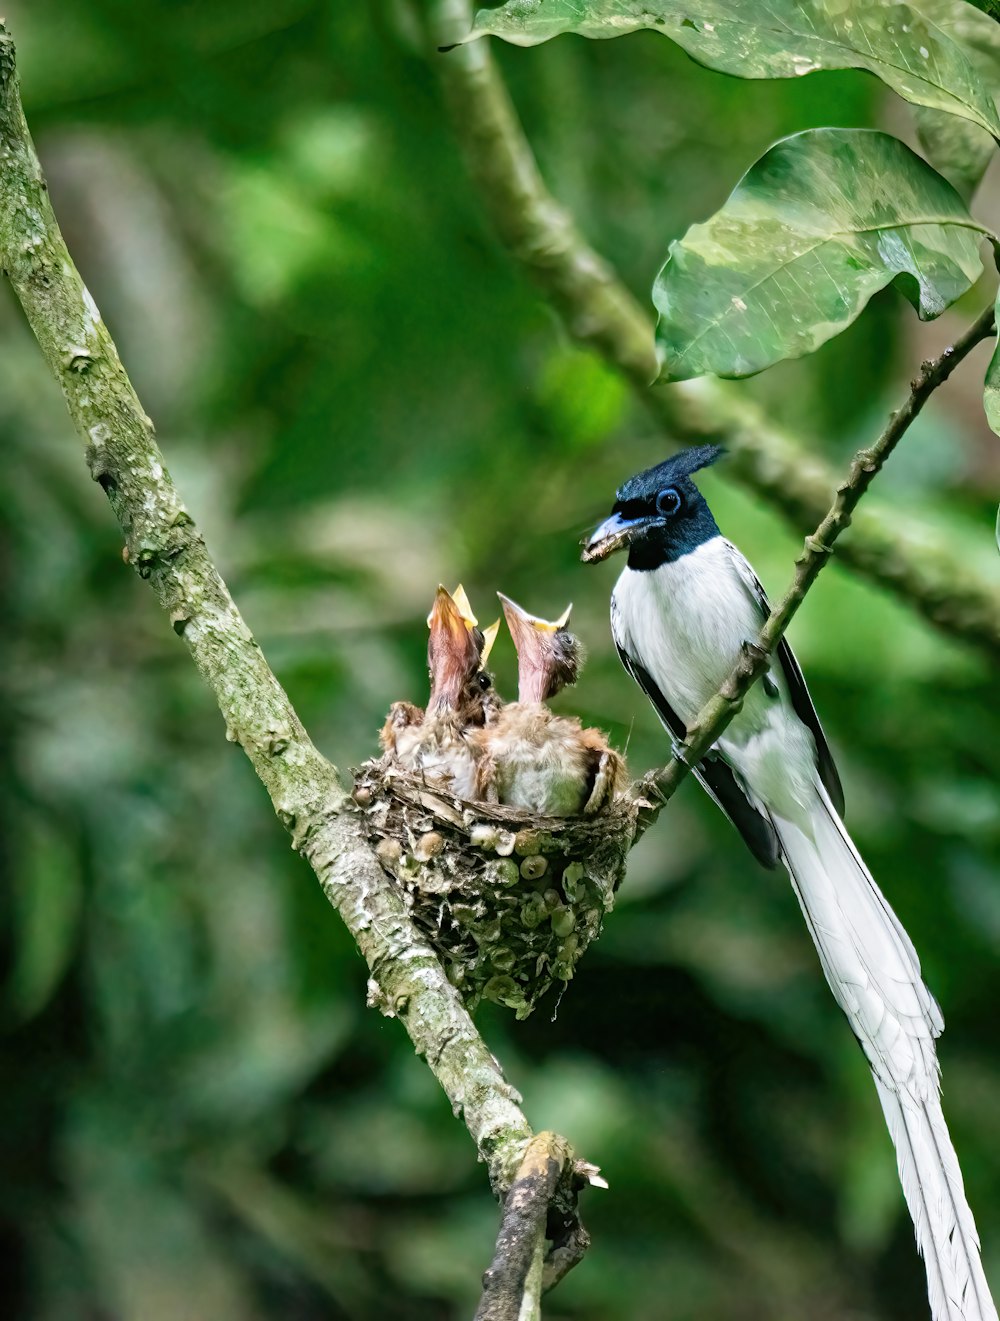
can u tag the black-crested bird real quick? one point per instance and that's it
(437, 743)
(680, 613)
(530, 757)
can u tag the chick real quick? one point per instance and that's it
(437, 742)
(530, 758)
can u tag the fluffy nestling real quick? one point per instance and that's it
(437, 743)
(529, 757)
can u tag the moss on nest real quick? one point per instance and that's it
(510, 901)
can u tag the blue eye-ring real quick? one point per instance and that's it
(668, 502)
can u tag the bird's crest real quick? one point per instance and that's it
(674, 469)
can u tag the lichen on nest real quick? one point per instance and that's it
(510, 901)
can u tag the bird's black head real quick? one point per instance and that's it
(659, 514)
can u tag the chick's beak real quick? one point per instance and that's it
(461, 599)
(535, 643)
(447, 620)
(449, 607)
(489, 637)
(453, 648)
(614, 533)
(529, 630)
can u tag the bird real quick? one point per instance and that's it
(681, 611)
(531, 758)
(436, 742)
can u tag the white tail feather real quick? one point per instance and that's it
(874, 974)
(932, 1185)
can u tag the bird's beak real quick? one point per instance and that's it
(535, 643)
(447, 618)
(614, 533)
(489, 637)
(461, 600)
(453, 604)
(453, 649)
(529, 629)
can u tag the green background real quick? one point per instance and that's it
(359, 396)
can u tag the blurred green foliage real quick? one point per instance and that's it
(359, 397)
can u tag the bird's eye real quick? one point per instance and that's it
(484, 680)
(668, 502)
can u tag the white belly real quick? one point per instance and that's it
(686, 623)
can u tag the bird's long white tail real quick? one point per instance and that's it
(874, 973)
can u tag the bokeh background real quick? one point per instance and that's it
(359, 396)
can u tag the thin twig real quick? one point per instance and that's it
(600, 311)
(164, 547)
(540, 1207)
(716, 714)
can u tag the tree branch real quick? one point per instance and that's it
(600, 311)
(711, 721)
(540, 1206)
(164, 547)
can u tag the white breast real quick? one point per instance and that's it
(685, 623)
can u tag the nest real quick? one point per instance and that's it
(509, 901)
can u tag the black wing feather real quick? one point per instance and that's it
(717, 778)
(806, 712)
(799, 693)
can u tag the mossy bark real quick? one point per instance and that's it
(164, 547)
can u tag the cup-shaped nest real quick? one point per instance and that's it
(509, 901)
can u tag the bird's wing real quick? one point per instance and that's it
(717, 778)
(799, 693)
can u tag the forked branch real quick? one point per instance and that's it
(165, 548)
(539, 1210)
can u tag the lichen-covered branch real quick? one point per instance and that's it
(540, 1207)
(600, 311)
(716, 714)
(165, 547)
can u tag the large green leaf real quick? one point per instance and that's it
(960, 149)
(812, 230)
(776, 39)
